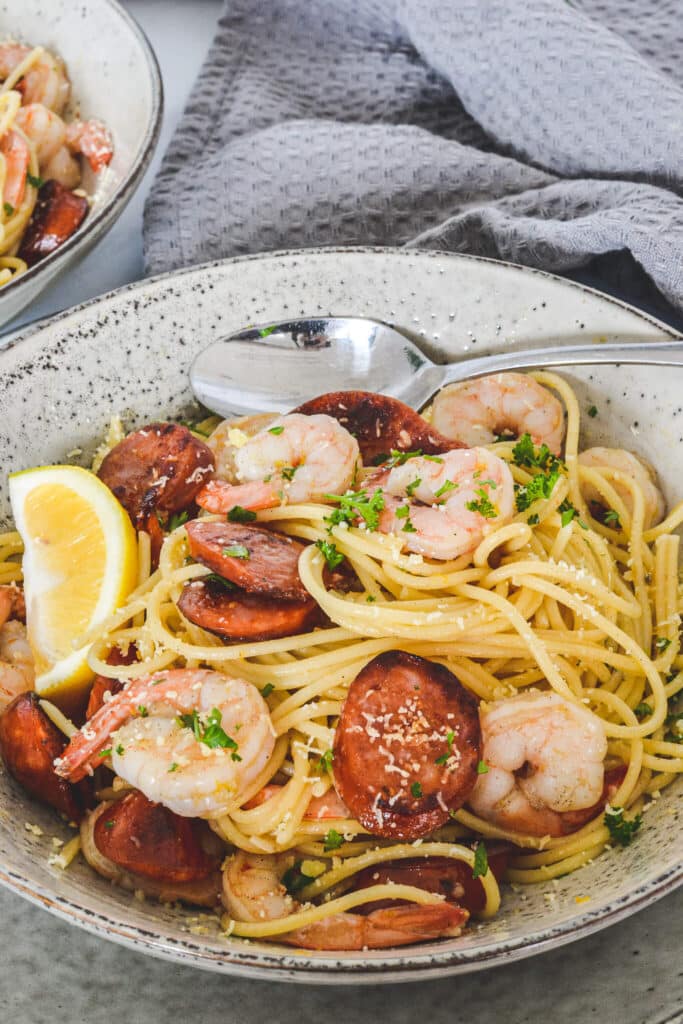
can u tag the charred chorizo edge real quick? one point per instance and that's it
(160, 468)
(379, 424)
(57, 215)
(29, 744)
(236, 615)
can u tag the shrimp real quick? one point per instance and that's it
(56, 143)
(45, 81)
(448, 500)
(297, 458)
(17, 156)
(477, 411)
(545, 759)
(228, 437)
(619, 463)
(171, 736)
(253, 891)
(17, 671)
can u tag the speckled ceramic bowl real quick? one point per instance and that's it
(115, 77)
(129, 353)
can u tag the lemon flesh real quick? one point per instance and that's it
(80, 564)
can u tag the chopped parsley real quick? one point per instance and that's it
(416, 790)
(265, 331)
(621, 829)
(642, 710)
(593, 412)
(105, 753)
(566, 514)
(662, 643)
(37, 182)
(325, 762)
(481, 861)
(333, 840)
(294, 879)
(611, 518)
(450, 736)
(483, 505)
(109, 824)
(220, 581)
(330, 553)
(8, 208)
(237, 514)
(287, 472)
(276, 430)
(173, 767)
(397, 458)
(533, 519)
(354, 505)
(120, 749)
(411, 488)
(540, 486)
(403, 512)
(524, 454)
(237, 551)
(446, 486)
(211, 732)
(674, 723)
(482, 768)
(371, 599)
(177, 519)
(267, 690)
(142, 711)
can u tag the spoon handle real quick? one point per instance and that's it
(662, 353)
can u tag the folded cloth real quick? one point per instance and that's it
(544, 132)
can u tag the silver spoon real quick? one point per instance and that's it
(279, 366)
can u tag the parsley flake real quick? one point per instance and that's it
(8, 208)
(105, 753)
(109, 824)
(355, 505)
(237, 551)
(483, 505)
(294, 879)
(173, 767)
(177, 519)
(267, 690)
(397, 458)
(481, 861)
(450, 736)
(120, 749)
(287, 472)
(416, 790)
(333, 840)
(220, 581)
(325, 762)
(611, 518)
(237, 514)
(593, 412)
(265, 331)
(276, 430)
(142, 711)
(210, 733)
(37, 182)
(411, 488)
(622, 830)
(662, 643)
(332, 556)
(642, 710)
(446, 486)
(482, 768)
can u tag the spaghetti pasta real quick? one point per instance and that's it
(558, 600)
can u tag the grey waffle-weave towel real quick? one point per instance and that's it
(539, 131)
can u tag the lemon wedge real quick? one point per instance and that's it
(80, 564)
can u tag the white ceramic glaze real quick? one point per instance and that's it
(129, 353)
(115, 77)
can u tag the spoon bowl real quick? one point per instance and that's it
(277, 367)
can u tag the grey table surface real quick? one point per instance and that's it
(631, 973)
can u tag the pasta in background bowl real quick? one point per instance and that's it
(115, 80)
(378, 282)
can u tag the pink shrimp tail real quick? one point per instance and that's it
(83, 753)
(93, 140)
(220, 497)
(17, 156)
(390, 926)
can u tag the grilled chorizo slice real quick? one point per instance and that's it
(57, 215)
(29, 744)
(380, 424)
(449, 878)
(150, 840)
(160, 468)
(236, 615)
(254, 558)
(406, 747)
(204, 891)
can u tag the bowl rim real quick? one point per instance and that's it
(415, 963)
(98, 222)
